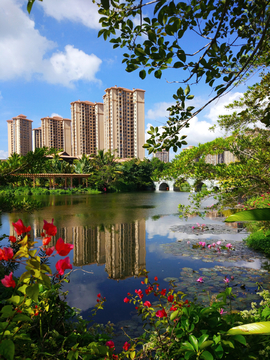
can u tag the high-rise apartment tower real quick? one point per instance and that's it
(56, 133)
(37, 138)
(124, 122)
(87, 127)
(19, 135)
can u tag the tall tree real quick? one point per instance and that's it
(230, 38)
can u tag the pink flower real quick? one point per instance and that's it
(202, 243)
(193, 227)
(229, 246)
(126, 300)
(62, 248)
(188, 242)
(209, 246)
(200, 280)
(218, 242)
(62, 265)
(161, 313)
(20, 228)
(213, 244)
(226, 280)
(232, 277)
(221, 311)
(110, 344)
(8, 281)
(126, 346)
(147, 304)
(50, 228)
(49, 251)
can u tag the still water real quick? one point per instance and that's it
(117, 235)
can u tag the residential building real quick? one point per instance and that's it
(124, 122)
(19, 135)
(87, 127)
(56, 133)
(37, 138)
(162, 155)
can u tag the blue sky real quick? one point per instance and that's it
(53, 57)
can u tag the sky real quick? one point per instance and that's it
(53, 57)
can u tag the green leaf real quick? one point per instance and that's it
(194, 342)
(259, 328)
(7, 349)
(7, 311)
(142, 74)
(21, 317)
(29, 5)
(250, 215)
(207, 355)
(105, 4)
(187, 90)
(32, 291)
(158, 74)
(174, 315)
(15, 299)
(240, 338)
(187, 345)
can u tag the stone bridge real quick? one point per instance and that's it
(169, 184)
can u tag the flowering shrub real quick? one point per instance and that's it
(35, 320)
(180, 329)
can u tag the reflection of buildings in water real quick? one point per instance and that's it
(125, 249)
(121, 247)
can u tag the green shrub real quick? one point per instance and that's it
(259, 241)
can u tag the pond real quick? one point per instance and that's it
(117, 235)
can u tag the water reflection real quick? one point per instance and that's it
(120, 247)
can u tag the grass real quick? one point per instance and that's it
(260, 241)
(25, 190)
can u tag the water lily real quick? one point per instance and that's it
(218, 242)
(226, 280)
(200, 280)
(229, 246)
(209, 246)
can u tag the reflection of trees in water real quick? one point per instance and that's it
(120, 247)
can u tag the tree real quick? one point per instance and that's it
(232, 37)
(254, 106)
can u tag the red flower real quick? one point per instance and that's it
(142, 282)
(126, 346)
(173, 308)
(50, 228)
(129, 294)
(186, 302)
(20, 228)
(8, 281)
(42, 234)
(62, 248)
(140, 293)
(115, 357)
(110, 344)
(98, 295)
(12, 239)
(161, 313)
(126, 300)
(163, 292)
(156, 278)
(49, 251)
(170, 298)
(147, 303)
(46, 240)
(62, 265)
(6, 254)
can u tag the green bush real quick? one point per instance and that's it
(259, 241)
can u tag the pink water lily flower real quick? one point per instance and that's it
(226, 280)
(209, 246)
(213, 244)
(202, 243)
(200, 280)
(229, 246)
(218, 242)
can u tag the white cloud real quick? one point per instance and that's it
(159, 111)
(24, 50)
(71, 65)
(217, 107)
(81, 11)
(3, 154)
(55, 114)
